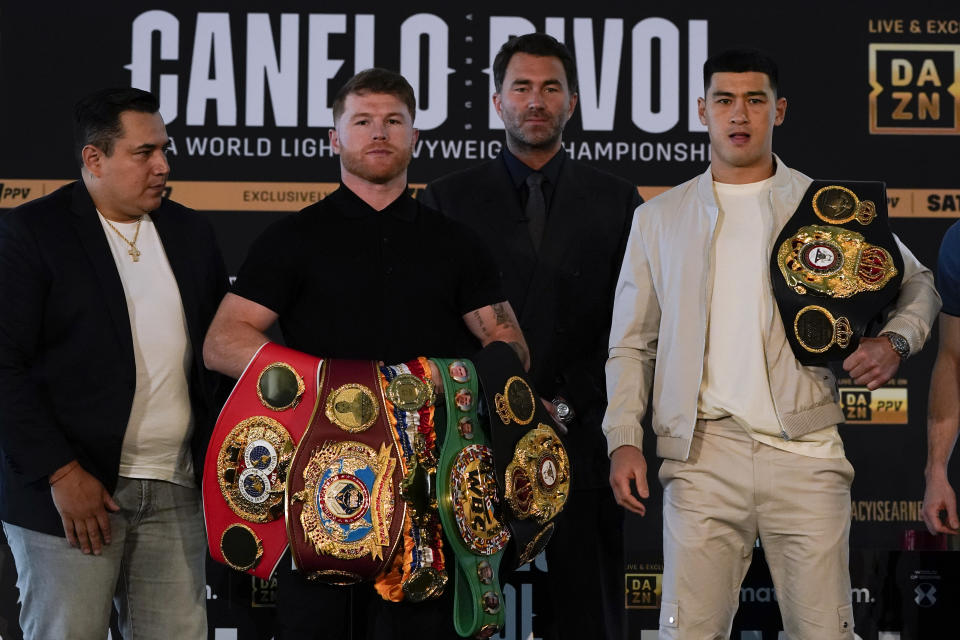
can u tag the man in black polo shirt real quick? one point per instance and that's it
(367, 273)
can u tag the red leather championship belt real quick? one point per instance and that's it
(247, 466)
(344, 514)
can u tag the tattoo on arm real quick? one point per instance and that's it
(501, 315)
(479, 318)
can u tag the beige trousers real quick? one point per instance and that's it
(731, 490)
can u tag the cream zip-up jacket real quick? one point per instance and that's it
(660, 322)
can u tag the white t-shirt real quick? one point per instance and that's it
(156, 444)
(735, 379)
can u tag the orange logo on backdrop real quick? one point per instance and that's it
(915, 89)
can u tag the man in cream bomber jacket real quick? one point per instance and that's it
(747, 433)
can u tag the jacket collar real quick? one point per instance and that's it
(782, 191)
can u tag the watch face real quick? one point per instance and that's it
(563, 410)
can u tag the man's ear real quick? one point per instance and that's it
(92, 159)
(334, 140)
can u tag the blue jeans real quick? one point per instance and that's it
(153, 571)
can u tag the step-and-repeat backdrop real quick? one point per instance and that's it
(873, 91)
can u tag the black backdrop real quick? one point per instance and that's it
(245, 86)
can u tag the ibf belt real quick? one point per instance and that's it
(469, 506)
(247, 465)
(419, 572)
(835, 266)
(344, 516)
(532, 467)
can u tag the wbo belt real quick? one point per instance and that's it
(469, 506)
(531, 463)
(344, 515)
(835, 266)
(419, 572)
(247, 465)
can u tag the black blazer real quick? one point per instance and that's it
(67, 371)
(563, 296)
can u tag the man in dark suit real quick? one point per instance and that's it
(558, 229)
(107, 292)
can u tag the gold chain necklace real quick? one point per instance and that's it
(134, 252)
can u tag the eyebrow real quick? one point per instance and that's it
(730, 94)
(551, 81)
(370, 115)
(147, 146)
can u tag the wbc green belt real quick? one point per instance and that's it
(467, 501)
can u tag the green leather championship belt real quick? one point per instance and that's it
(468, 504)
(835, 266)
(532, 467)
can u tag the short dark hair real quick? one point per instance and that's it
(535, 44)
(741, 61)
(96, 118)
(376, 80)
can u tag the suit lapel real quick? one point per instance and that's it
(90, 232)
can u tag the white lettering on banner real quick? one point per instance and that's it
(262, 64)
(438, 37)
(272, 68)
(321, 67)
(140, 67)
(598, 102)
(642, 113)
(212, 43)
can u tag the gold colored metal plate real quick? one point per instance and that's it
(252, 468)
(517, 402)
(352, 407)
(280, 387)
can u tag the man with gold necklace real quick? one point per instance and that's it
(107, 292)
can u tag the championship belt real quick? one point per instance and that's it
(419, 572)
(344, 515)
(247, 466)
(469, 506)
(532, 467)
(835, 267)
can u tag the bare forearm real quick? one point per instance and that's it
(230, 345)
(943, 423)
(498, 322)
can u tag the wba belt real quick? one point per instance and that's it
(468, 501)
(835, 267)
(344, 518)
(532, 467)
(247, 466)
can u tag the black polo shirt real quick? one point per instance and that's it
(351, 282)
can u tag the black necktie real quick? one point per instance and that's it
(536, 208)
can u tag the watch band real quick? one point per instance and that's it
(898, 342)
(467, 496)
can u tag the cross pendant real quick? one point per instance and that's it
(135, 254)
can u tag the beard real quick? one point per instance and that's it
(544, 136)
(376, 170)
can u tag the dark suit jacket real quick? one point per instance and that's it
(67, 371)
(563, 296)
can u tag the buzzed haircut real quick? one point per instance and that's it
(96, 118)
(376, 80)
(534, 44)
(741, 61)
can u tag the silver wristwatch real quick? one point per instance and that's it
(564, 410)
(899, 344)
